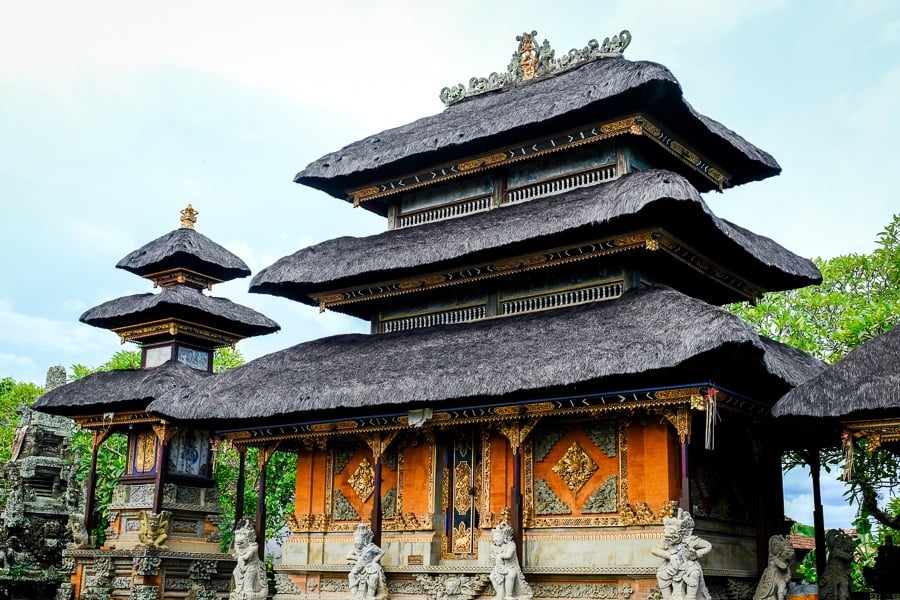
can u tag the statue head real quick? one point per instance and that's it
(363, 535)
(502, 533)
(676, 528)
(244, 534)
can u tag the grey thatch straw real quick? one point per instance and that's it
(182, 302)
(652, 198)
(188, 249)
(614, 87)
(117, 390)
(652, 336)
(867, 380)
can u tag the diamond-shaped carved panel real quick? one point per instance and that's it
(363, 480)
(575, 467)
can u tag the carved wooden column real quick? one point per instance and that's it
(378, 443)
(680, 419)
(97, 438)
(515, 433)
(241, 484)
(164, 434)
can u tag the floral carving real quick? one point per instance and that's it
(575, 467)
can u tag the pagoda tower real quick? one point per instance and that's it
(163, 533)
(547, 345)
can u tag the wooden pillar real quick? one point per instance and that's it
(516, 499)
(378, 443)
(241, 484)
(812, 459)
(97, 438)
(265, 453)
(376, 504)
(160, 481)
(684, 500)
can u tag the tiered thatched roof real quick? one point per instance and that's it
(180, 302)
(185, 248)
(572, 98)
(651, 337)
(866, 381)
(117, 390)
(646, 199)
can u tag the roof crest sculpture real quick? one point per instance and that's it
(530, 61)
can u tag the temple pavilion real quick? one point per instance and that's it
(547, 343)
(163, 534)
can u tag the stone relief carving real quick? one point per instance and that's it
(544, 443)
(389, 503)
(154, 529)
(452, 586)
(604, 436)
(605, 499)
(680, 576)
(249, 574)
(366, 579)
(146, 564)
(284, 585)
(546, 500)
(342, 457)
(506, 576)
(343, 510)
(145, 592)
(773, 585)
(576, 590)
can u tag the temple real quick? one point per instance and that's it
(163, 532)
(547, 344)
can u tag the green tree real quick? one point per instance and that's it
(859, 298)
(13, 394)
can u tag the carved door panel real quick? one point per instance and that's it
(461, 500)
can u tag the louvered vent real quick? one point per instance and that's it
(448, 211)
(606, 291)
(460, 315)
(555, 186)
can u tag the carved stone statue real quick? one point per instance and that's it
(80, 537)
(680, 576)
(249, 576)
(154, 529)
(834, 584)
(773, 585)
(366, 577)
(506, 576)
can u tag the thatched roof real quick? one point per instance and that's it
(649, 198)
(652, 336)
(117, 390)
(185, 248)
(605, 88)
(181, 302)
(867, 380)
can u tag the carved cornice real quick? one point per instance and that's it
(655, 239)
(875, 432)
(531, 61)
(115, 419)
(170, 277)
(636, 124)
(173, 327)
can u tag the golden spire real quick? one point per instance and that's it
(188, 217)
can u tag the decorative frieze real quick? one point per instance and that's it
(575, 590)
(575, 467)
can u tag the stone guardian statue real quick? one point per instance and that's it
(249, 575)
(680, 577)
(773, 585)
(367, 580)
(506, 576)
(834, 584)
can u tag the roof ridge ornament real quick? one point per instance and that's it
(530, 61)
(188, 217)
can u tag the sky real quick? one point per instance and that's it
(115, 115)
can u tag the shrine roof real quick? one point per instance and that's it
(865, 380)
(120, 390)
(605, 88)
(180, 302)
(649, 198)
(184, 248)
(650, 336)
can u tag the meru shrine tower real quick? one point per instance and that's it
(547, 345)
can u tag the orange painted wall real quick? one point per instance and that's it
(309, 488)
(501, 473)
(653, 464)
(418, 464)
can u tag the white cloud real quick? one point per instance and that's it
(26, 331)
(106, 239)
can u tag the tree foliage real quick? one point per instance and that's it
(12, 395)
(859, 298)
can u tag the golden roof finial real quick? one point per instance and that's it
(188, 217)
